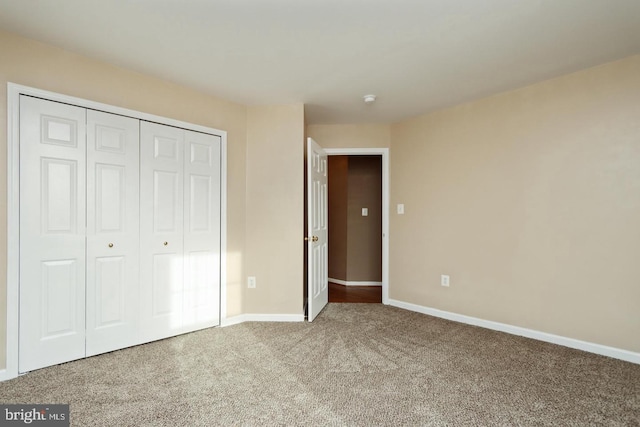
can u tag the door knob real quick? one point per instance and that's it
(165, 243)
(314, 239)
(110, 245)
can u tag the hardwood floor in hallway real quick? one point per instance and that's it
(367, 294)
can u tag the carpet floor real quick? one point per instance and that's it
(355, 365)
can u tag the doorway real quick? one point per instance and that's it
(355, 208)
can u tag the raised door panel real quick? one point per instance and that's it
(52, 243)
(59, 281)
(161, 230)
(167, 206)
(112, 232)
(110, 289)
(202, 231)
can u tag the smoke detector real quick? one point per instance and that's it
(369, 99)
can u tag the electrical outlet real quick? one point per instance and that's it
(444, 280)
(251, 282)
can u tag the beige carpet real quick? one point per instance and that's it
(357, 364)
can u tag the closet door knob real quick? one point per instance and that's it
(110, 245)
(165, 243)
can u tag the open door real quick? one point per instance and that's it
(317, 213)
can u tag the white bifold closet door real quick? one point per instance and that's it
(78, 274)
(52, 233)
(119, 232)
(179, 230)
(113, 240)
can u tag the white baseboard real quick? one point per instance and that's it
(616, 353)
(241, 318)
(4, 375)
(352, 283)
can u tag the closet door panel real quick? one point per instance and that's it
(52, 229)
(202, 230)
(112, 231)
(161, 230)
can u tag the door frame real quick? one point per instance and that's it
(13, 201)
(384, 152)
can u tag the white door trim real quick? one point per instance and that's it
(384, 152)
(13, 201)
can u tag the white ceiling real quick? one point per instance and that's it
(416, 55)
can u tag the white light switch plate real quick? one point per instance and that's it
(400, 208)
(365, 211)
(444, 280)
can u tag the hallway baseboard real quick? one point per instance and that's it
(353, 283)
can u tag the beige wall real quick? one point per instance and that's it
(338, 188)
(351, 136)
(364, 233)
(45, 67)
(275, 153)
(530, 201)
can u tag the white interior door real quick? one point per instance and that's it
(112, 232)
(317, 212)
(201, 299)
(52, 233)
(161, 230)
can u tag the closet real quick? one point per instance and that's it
(119, 232)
